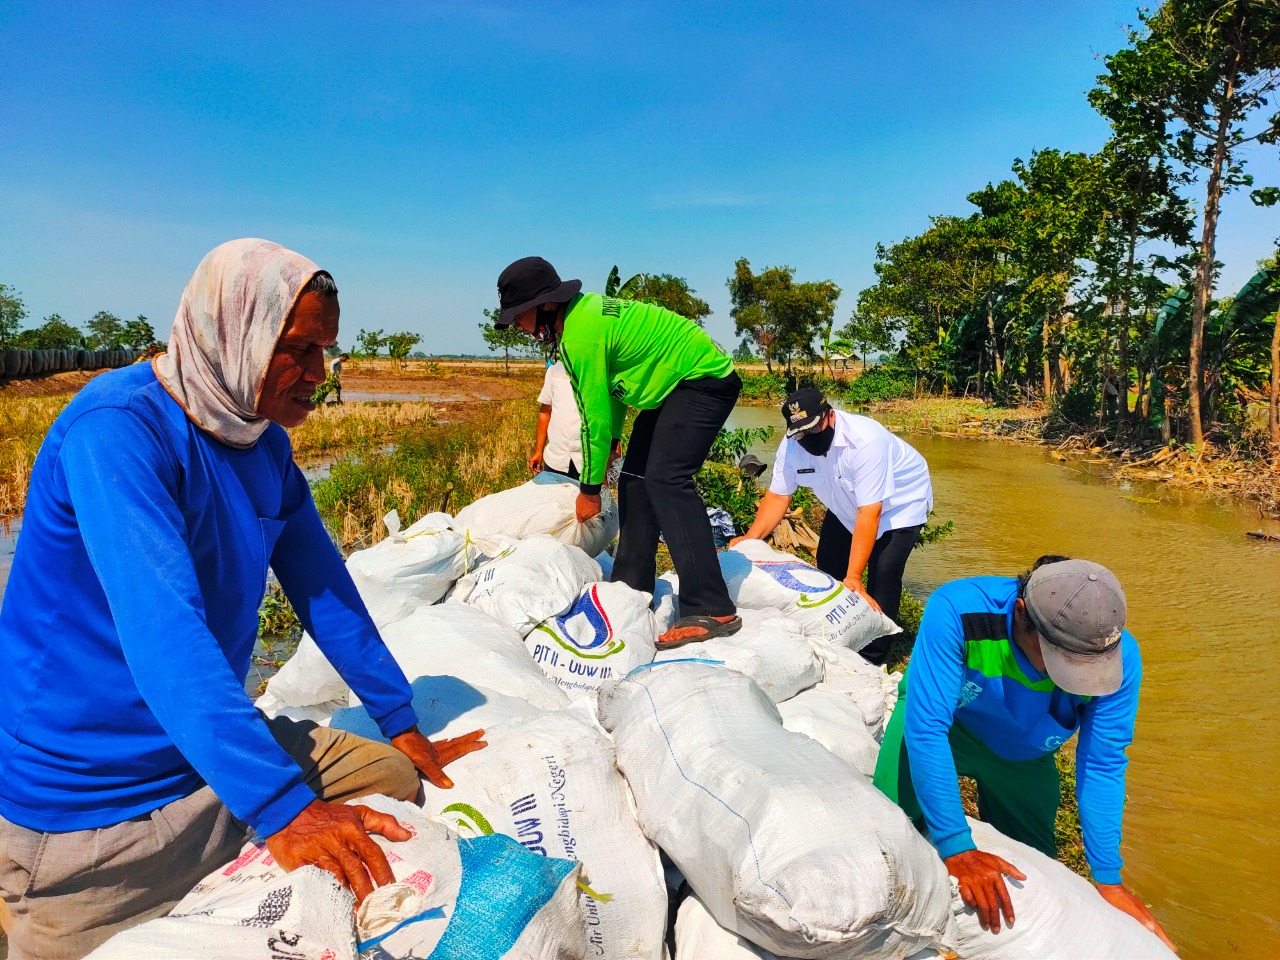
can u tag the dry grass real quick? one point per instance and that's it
(356, 426)
(24, 421)
(432, 468)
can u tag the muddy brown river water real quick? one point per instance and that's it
(1202, 824)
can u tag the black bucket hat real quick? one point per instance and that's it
(531, 282)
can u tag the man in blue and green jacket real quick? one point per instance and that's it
(1004, 671)
(624, 353)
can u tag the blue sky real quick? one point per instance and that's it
(415, 148)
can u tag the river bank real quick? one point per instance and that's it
(1233, 473)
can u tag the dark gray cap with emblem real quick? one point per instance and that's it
(1079, 610)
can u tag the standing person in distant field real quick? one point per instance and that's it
(558, 444)
(333, 383)
(621, 353)
(876, 489)
(1004, 671)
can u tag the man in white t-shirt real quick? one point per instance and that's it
(876, 489)
(558, 446)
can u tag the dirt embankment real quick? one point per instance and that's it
(53, 385)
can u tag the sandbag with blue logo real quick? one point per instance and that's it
(761, 578)
(609, 631)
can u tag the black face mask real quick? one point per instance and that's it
(544, 329)
(818, 443)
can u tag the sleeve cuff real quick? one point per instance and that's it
(590, 489)
(1105, 876)
(398, 721)
(957, 843)
(279, 813)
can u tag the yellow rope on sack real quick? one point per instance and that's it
(599, 897)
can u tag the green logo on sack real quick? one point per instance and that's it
(466, 820)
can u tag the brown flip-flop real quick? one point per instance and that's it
(715, 628)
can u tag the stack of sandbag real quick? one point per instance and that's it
(761, 578)
(786, 844)
(833, 720)
(459, 642)
(699, 937)
(666, 602)
(871, 688)
(769, 649)
(549, 781)
(528, 582)
(444, 640)
(543, 505)
(1058, 914)
(412, 567)
(452, 897)
(609, 631)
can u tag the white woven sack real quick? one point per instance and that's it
(786, 844)
(307, 679)
(872, 688)
(609, 631)
(770, 649)
(453, 640)
(833, 720)
(538, 507)
(412, 567)
(699, 937)
(761, 578)
(1059, 915)
(252, 910)
(551, 783)
(666, 602)
(528, 582)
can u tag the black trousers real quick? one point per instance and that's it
(884, 570)
(656, 495)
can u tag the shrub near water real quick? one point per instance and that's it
(24, 421)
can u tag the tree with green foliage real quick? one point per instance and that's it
(369, 342)
(866, 333)
(54, 334)
(742, 352)
(781, 316)
(399, 345)
(1198, 77)
(138, 333)
(662, 289)
(12, 312)
(507, 339)
(106, 331)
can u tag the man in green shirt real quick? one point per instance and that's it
(621, 353)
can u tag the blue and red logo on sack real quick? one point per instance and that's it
(585, 630)
(814, 586)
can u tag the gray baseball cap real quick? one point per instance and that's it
(1079, 610)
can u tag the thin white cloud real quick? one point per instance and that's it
(672, 201)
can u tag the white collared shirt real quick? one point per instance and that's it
(564, 433)
(866, 464)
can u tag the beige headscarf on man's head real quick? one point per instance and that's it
(225, 332)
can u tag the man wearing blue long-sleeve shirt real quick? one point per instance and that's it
(1004, 671)
(131, 761)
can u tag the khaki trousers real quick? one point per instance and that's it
(67, 893)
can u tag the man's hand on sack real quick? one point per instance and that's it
(1122, 899)
(587, 506)
(335, 837)
(857, 586)
(535, 461)
(431, 758)
(981, 879)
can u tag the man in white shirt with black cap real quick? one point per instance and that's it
(876, 489)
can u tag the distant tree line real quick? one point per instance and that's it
(103, 331)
